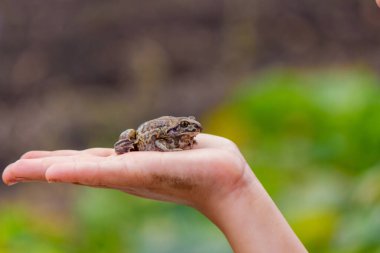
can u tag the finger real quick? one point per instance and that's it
(92, 151)
(34, 169)
(217, 142)
(91, 173)
(141, 169)
(378, 2)
(211, 141)
(123, 170)
(132, 170)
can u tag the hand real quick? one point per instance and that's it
(213, 177)
(197, 177)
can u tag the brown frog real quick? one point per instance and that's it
(166, 133)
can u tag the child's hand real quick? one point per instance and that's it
(196, 177)
(213, 178)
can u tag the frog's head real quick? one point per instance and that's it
(185, 126)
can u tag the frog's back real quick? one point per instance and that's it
(154, 124)
(151, 130)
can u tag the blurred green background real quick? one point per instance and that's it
(295, 83)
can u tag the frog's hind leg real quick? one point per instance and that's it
(124, 146)
(127, 142)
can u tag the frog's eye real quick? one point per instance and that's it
(184, 124)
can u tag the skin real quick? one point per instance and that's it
(378, 2)
(213, 178)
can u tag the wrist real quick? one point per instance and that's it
(251, 221)
(246, 189)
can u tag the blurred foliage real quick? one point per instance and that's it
(311, 137)
(109, 221)
(129, 224)
(313, 140)
(23, 231)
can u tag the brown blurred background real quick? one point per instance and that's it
(74, 74)
(70, 70)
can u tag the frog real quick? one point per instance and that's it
(166, 133)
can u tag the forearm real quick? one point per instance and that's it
(252, 222)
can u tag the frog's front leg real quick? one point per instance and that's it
(127, 142)
(163, 145)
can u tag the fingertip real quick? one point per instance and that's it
(7, 176)
(4, 177)
(15, 172)
(34, 154)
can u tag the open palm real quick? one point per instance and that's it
(211, 170)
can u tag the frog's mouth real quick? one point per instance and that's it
(192, 130)
(192, 133)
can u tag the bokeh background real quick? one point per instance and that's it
(295, 83)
